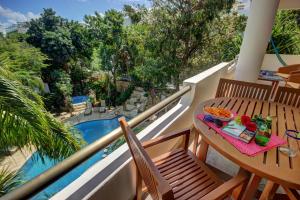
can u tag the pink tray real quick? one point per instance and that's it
(250, 149)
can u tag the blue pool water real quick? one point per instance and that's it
(79, 99)
(91, 131)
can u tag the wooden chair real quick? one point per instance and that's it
(288, 96)
(177, 174)
(288, 69)
(294, 77)
(234, 88)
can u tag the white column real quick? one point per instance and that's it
(256, 37)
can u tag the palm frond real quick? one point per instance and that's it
(24, 121)
(9, 180)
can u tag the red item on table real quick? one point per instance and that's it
(245, 119)
(251, 126)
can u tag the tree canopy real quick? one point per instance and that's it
(66, 43)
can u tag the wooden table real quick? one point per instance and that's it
(272, 165)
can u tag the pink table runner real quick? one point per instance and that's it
(250, 149)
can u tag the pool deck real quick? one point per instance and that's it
(17, 159)
(95, 115)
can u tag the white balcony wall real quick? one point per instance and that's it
(271, 62)
(113, 178)
(289, 4)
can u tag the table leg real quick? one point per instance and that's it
(269, 191)
(196, 138)
(291, 193)
(203, 150)
(252, 187)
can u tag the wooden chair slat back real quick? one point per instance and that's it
(234, 88)
(288, 96)
(157, 186)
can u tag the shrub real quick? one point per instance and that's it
(122, 98)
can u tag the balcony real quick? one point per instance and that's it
(114, 177)
(117, 170)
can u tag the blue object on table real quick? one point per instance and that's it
(208, 118)
(269, 75)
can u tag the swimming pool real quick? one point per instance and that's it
(91, 131)
(79, 99)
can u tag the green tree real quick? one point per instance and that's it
(135, 14)
(222, 43)
(24, 60)
(178, 31)
(66, 43)
(109, 30)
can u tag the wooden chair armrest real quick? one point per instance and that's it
(166, 137)
(227, 188)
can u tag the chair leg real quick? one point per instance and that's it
(203, 150)
(269, 191)
(252, 187)
(139, 185)
(291, 193)
(239, 191)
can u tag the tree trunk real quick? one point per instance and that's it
(176, 78)
(114, 78)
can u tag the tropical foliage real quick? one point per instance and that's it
(25, 61)
(25, 122)
(68, 47)
(286, 33)
(9, 180)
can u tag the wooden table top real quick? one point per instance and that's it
(273, 164)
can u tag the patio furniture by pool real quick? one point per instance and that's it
(272, 165)
(288, 96)
(178, 174)
(102, 109)
(234, 88)
(89, 109)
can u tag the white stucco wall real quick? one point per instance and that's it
(272, 63)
